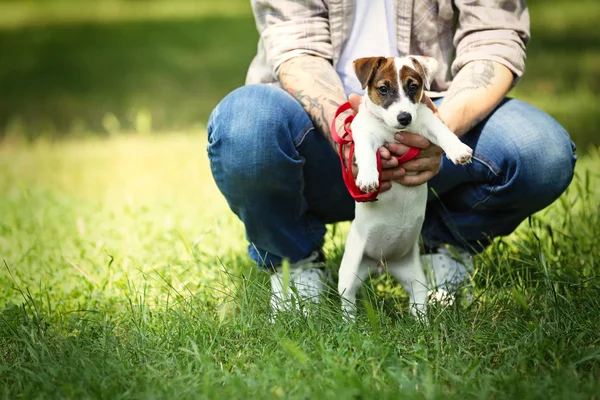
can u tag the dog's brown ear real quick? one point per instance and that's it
(364, 68)
(427, 66)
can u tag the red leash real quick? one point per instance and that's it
(345, 139)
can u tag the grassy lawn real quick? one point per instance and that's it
(125, 277)
(123, 273)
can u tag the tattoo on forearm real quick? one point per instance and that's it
(477, 75)
(314, 108)
(475, 91)
(316, 85)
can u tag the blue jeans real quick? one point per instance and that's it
(282, 178)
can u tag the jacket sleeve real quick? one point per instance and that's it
(492, 30)
(289, 28)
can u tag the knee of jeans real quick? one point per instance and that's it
(540, 160)
(249, 131)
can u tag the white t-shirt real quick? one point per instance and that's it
(373, 33)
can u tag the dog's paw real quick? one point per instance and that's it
(367, 180)
(460, 154)
(348, 311)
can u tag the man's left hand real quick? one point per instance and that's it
(426, 165)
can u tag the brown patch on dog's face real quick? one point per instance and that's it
(365, 67)
(383, 88)
(412, 82)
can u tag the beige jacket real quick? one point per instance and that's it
(453, 31)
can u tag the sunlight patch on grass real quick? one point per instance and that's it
(114, 211)
(125, 166)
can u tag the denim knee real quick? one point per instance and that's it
(252, 130)
(539, 158)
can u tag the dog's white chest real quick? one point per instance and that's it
(390, 226)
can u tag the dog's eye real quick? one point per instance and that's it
(383, 90)
(413, 87)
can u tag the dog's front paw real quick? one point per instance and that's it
(459, 154)
(367, 180)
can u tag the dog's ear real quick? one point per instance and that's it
(427, 66)
(365, 67)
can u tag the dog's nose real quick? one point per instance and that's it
(404, 118)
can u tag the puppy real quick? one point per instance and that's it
(387, 231)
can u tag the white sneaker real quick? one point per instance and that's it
(304, 284)
(446, 269)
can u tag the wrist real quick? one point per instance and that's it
(454, 119)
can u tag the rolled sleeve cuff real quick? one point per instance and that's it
(290, 39)
(504, 47)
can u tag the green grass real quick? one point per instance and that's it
(123, 273)
(126, 277)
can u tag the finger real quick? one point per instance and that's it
(392, 174)
(423, 164)
(384, 153)
(355, 101)
(417, 165)
(387, 161)
(396, 149)
(412, 140)
(415, 180)
(391, 163)
(385, 186)
(432, 151)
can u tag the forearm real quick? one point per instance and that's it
(317, 86)
(474, 93)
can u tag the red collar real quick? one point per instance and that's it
(345, 139)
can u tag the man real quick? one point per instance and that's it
(272, 155)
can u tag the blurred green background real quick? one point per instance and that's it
(98, 67)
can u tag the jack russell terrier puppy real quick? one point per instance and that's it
(387, 231)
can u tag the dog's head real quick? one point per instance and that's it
(395, 86)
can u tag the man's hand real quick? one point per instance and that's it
(426, 165)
